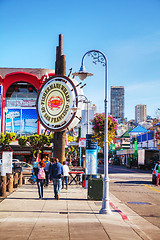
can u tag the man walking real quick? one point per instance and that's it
(56, 173)
(47, 170)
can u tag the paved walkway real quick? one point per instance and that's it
(24, 217)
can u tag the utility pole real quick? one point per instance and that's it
(60, 69)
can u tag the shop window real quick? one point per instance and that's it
(20, 109)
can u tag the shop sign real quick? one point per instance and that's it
(73, 143)
(21, 103)
(82, 142)
(90, 144)
(21, 152)
(125, 141)
(54, 103)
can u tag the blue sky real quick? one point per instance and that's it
(126, 31)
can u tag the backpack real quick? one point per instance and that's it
(41, 173)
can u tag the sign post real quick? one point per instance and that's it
(91, 155)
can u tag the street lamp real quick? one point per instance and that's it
(74, 109)
(82, 74)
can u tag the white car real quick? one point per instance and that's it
(26, 168)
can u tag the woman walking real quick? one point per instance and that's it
(41, 179)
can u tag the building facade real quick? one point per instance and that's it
(18, 94)
(19, 89)
(117, 102)
(140, 113)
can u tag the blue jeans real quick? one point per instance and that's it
(57, 186)
(65, 179)
(40, 183)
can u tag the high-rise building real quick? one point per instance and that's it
(140, 113)
(117, 102)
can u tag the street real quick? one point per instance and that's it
(134, 188)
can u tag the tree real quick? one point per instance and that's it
(36, 142)
(5, 140)
(98, 128)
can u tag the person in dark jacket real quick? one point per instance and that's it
(56, 173)
(47, 169)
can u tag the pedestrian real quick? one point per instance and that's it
(158, 176)
(35, 167)
(41, 178)
(66, 175)
(47, 170)
(56, 174)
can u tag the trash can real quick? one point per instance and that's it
(95, 188)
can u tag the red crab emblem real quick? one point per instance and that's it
(55, 102)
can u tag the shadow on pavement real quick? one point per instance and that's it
(71, 199)
(134, 182)
(64, 212)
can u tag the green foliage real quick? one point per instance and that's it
(98, 128)
(5, 140)
(22, 141)
(36, 142)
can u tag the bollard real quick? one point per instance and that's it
(10, 184)
(20, 179)
(3, 178)
(15, 184)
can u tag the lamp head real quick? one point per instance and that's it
(82, 74)
(75, 109)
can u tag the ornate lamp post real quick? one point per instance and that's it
(75, 109)
(82, 74)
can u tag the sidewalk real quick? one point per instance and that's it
(23, 216)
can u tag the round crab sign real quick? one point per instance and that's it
(54, 103)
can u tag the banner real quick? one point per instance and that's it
(6, 163)
(21, 121)
(91, 161)
(91, 155)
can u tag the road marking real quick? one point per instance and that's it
(151, 188)
(124, 217)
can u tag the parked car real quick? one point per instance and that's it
(116, 161)
(155, 174)
(100, 161)
(14, 161)
(26, 168)
(16, 165)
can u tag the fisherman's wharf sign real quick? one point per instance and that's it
(54, 103)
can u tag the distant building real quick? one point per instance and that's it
(140, 113)
(117, 102)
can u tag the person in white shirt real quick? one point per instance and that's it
(66, 174)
